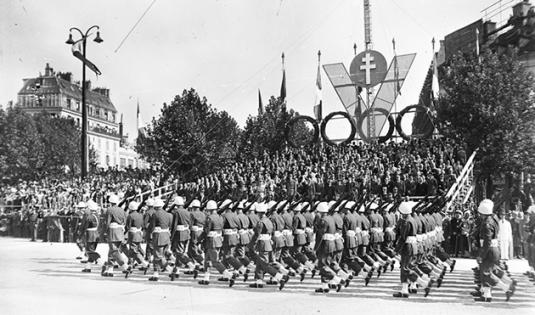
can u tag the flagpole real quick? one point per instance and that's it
(395, 76)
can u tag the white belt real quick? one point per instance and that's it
(250, 231)
(264, 237)
(286, 232)
(309, 230)
(160, 230)
(91, 229)
(358, 230)
(299, 231)
(377, 229)
(389, 229)
(337, 236)
(243, 231)
(134, 229)
(229, 232)
(364, 232)
(411, 240)
(115, 225)
(182, 228)
(196, 228)
(277, 234)
(493, 243)
(439, 228)
(328, 237)
(351, 233)
(419, 237)
(214, 234)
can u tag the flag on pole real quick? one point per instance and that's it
(319, 96)
(77, 52)
(435, 88)
(477, 45)
(397, 91)
(140, 127)
(260, 104)
(283, 85)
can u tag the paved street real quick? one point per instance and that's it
(45, 278)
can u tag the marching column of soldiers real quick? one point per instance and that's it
(341, 241)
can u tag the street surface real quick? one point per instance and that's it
(45, 278)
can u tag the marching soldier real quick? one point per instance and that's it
(213, 241)
(90, 226)
(406, 246)
(134, 226)
(261, 247)
(159, 229)
(115, 223)
(149, 250)
(489, 254)
(180, 236)
(198, 218)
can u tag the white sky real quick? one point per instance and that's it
(225, 49)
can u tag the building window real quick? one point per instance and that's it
(78, 121)
(122, 162)
(69, 103)
(107, 145)
(107, 160)
(78, 105)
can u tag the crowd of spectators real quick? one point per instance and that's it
(46, 208)
(388, 171)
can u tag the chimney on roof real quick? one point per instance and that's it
(102, 91)
(48, 71)
(521, 9)
(67, 76)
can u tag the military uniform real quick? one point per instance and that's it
(134, 226)
(90, 224)
(159, 228)
(116, 220)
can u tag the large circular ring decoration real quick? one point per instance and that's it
(382, 111)
(324, 125)
(290, 124)
(418, 108)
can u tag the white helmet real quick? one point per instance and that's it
(150, 202)
(350, 204)
(531, 209)
(114, 199)
(323, 207)
(225, 203)
(178, 201)
(374, 206)
(133, 206)
(158, 203)
(91, 205)
(406, 207)
(211, 205)
(81, 204)
(486, 206)
(195, 204)
(261, 207)
(298, 207)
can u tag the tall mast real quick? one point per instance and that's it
(368, 45)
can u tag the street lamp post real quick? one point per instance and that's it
(84, 37)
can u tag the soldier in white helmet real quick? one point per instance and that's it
(489, 255)
(198, 218)
(115, 223)
(149, 250)
(134, 226)
(90, 224)
(262, 250)
(159, 228)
